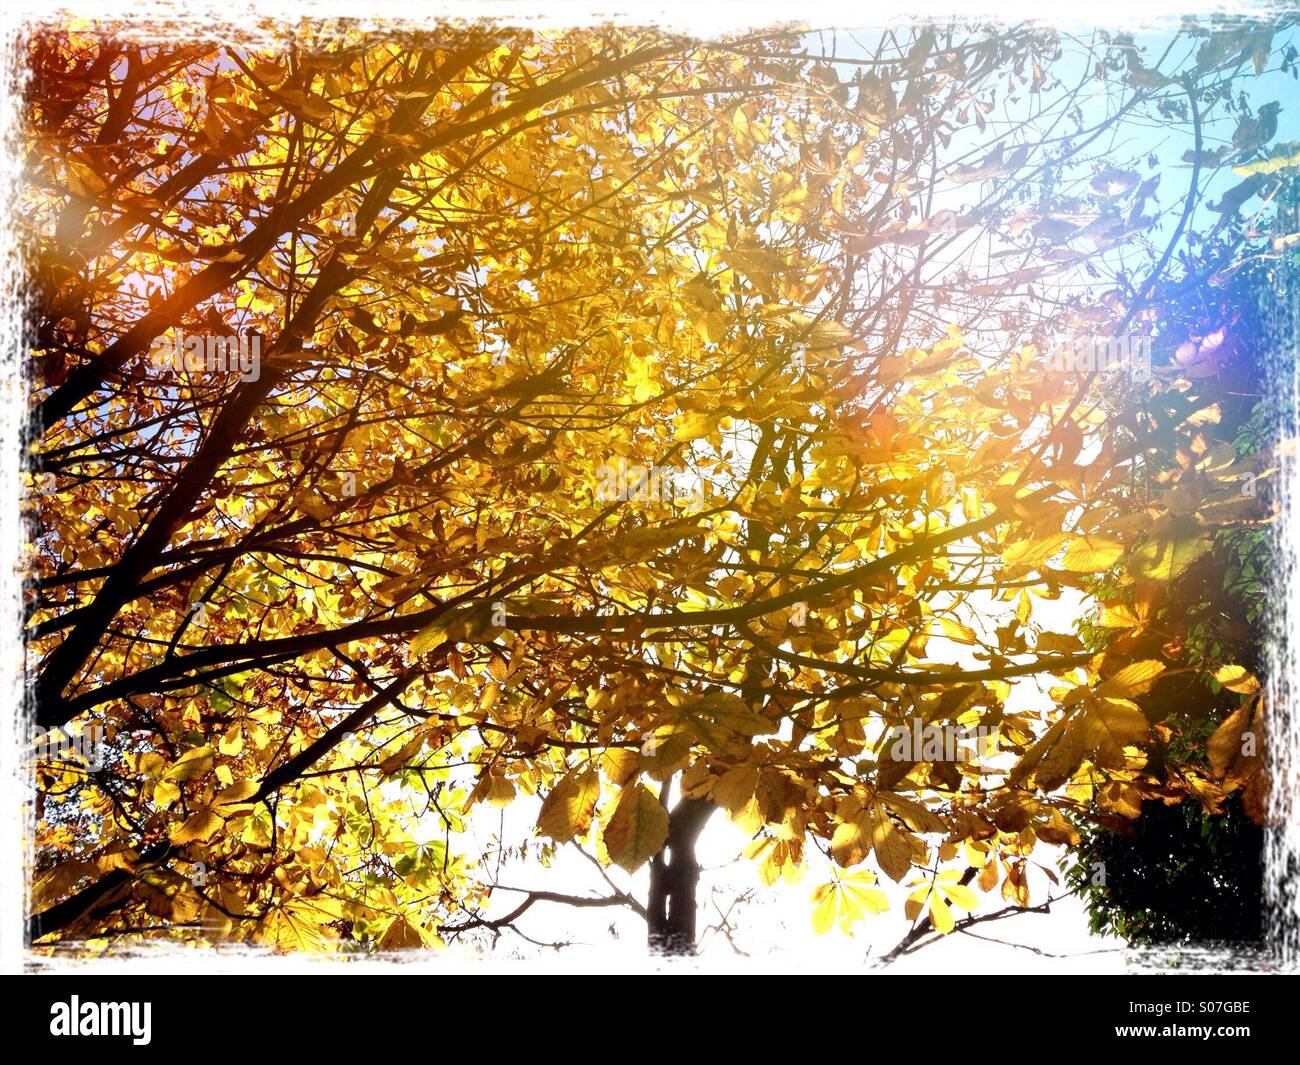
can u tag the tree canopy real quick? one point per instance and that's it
(651, 426)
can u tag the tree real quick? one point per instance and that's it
(1193, 872)
(1175, 875)
(613, 418)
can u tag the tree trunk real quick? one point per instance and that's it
(674, 873)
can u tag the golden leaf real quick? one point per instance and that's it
(1133, 679)
(638, 828)
(1092, 554)
(1237, 679)
(200, 825)
(567, 811)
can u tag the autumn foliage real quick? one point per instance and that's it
(640, 425)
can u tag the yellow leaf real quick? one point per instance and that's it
(940, 915)
(711, 327)
(620, 764)
(1118, 617)
(1092, 554)
(232, 741)
(638, 828)
(695, 424)
(1283, 157)
(494, 788)
(859, 895)
(736, 787)
(402, 756)
(313, 506)
(1110, 725)
(400, 935)
(567, 811)
(295, 926)
(893, 853)
(237, 792)
(956, 631)
(1224, 745)
(430, 636)
(851, 842)
(1133, 679)
(1033, 552)
(823, 917)
(191, 765)
(1237, 679)
(1034, 757)
(199, 826)
(956, 893)
(1165, 558)
(726, 711)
